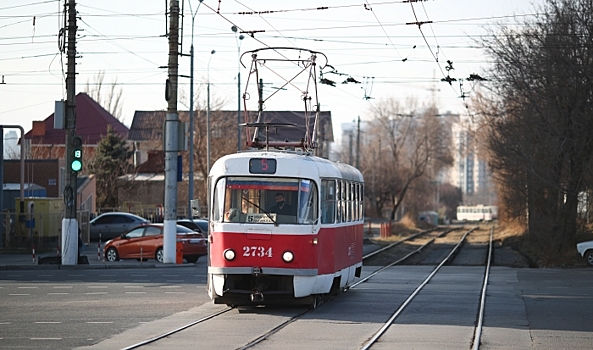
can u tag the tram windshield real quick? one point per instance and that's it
(265, 200)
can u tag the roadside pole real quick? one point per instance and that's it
(171, 139)
(69, 223)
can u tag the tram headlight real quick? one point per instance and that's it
(287, 256)
(229, 254)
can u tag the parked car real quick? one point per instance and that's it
(111, 225)
(199, 225)
(146, 242)
(586, 251)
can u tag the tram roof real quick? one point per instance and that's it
(306, 164)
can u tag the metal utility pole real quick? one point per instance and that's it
(208, 131)
(239, 110)
(350, 148)
(358, 144)
(238, 40)
(70, 223)
(190, 188)
(171, 138)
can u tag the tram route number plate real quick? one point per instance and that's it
(261, 218)
(257, 251)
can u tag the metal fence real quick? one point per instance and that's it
(40, 230)
(44, 230)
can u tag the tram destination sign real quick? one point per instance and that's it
(262, 166)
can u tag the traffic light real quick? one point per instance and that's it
(76, 163)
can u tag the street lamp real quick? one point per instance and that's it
(208, 116)
(190, 188)
(238, 40)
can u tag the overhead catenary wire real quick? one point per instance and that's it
(280, 31)
(382, 27)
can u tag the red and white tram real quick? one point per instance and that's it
(307, 246)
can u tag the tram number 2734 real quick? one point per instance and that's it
(260, 252)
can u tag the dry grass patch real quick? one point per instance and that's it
(544, 251)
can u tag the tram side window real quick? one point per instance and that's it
(356, 200)
(218, 205)
(351, 201)
(352, 206)
(360, 201)
(307, 202)
(347, 202)
(338, 201)
(341, 209)
(328, 201)
(349, 194)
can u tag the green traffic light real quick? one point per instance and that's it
(76, 165)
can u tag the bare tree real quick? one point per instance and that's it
(540, 115)
(220, 124)
(110, 100)
(43, 151)
(404, 147)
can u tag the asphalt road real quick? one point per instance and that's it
(113, 308)
(525, 309)
(64, 309)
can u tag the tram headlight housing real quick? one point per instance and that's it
(287, 256)
(229, 254)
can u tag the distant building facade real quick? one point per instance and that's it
(45, 150)
(470, 170)
(11, 147)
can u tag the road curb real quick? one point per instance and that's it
(91, 267)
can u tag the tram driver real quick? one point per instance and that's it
(281, 207)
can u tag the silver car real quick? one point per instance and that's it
(198, 225)
(111, 225)
(585, 249)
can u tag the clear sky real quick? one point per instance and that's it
(370, 41)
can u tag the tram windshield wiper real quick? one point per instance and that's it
(262, 209)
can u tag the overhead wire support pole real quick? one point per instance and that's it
(171, 138)
(239, 110)
(69, 223)
(358, 144)
(208, 118)
(238, 40)
(190, 187)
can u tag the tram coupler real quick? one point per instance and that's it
(257, 296)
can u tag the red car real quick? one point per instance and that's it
(146, 242)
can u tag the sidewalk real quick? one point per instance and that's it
(49, 261)
(93, 254)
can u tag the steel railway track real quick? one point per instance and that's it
(375, 337)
